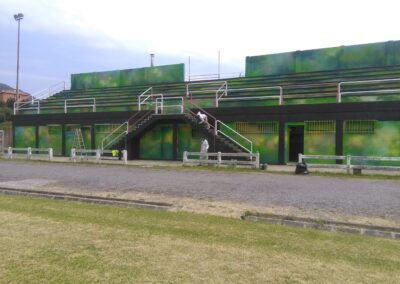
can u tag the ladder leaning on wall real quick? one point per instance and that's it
(79, 143)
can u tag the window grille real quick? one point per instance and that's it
(316, 127)
(359, 126)
(262, 127)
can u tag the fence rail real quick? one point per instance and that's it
(29, 152)
(348, 165)
(98, 155)
(249, 159)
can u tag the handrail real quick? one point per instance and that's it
(224, 92)
(75, 106)
(126, 132)
(42, 94)
(340, 93)
(200, 77)
(143, 117)
(163, 106)
(141, 102)
(208, 83)
(348, 158)
(280, 96)
(213, 123)
(250, 150)
(115, 138)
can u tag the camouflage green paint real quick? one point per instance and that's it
(385, 142)
(25, 136)
(187, 140)
(120, 78)
(50, 136)
(156, 143)
(70, 134)
(343, 57)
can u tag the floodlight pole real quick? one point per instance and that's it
(18, 17)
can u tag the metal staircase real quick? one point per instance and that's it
(220, 135)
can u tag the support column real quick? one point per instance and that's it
(175, 141)
(339, 140)
(93, 137)
(63, 140)
(281, 143)
(37, 136)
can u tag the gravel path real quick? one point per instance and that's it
(364, 197)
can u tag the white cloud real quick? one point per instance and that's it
(201, 28)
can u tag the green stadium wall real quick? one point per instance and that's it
(120, 78)
(335, 58)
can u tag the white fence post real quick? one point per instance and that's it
(73, 154)
(348, 164)
(185, 157)
(125, 156)
(29, 153)
(9, 152)
(50, 154)
(300, 158)
(219, 158)
(257, 160)
(98, 155)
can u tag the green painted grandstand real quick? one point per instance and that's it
(338, 99)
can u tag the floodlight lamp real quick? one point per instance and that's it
(18, 16)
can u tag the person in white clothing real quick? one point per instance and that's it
(203, 119)
(204, 149)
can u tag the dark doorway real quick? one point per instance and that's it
(296, 142)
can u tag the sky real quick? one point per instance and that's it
(61, 37)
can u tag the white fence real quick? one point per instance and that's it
(29, 152)
(98, 155)
(243, 159)
(2, 142)
(348, 165)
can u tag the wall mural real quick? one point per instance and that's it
(343, 57)
(120, 78)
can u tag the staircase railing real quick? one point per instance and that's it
(114, 136)
(163, 105)
(215, 125)
(234, 136)
(222, 91)
(143, 97)
(36, 97)
(126, 127)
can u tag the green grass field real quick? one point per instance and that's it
(53, 241)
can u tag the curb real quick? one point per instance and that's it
(88, 199)
(366, 230)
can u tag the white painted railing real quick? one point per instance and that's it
(2, 142)
(348, 164)
(38, 96)
(369, 92)
(80, 105)
(115, 135)
(264, 97)
(234, 136)
(98, 155)
(243, 159)
(30, 152)
(161, 104)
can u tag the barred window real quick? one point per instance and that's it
(359, 126)
(326, 126)
(262, 127)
